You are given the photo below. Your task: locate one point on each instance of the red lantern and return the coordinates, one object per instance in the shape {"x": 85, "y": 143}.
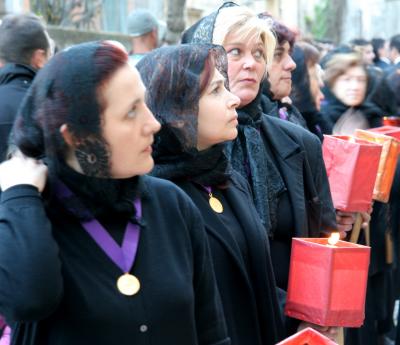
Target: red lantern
{"x": 351, "y": 165}
{"x": 327, "y": 283}
{"x": 387, "y": 162}
{"x": 307, "y": 336}
{"x": 391, "y": 121}
{"x": 391, "y": 131}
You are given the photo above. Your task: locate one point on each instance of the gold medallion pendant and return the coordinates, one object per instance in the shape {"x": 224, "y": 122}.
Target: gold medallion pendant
{"x": 128, "y": 284}
{"x": 215, "y": 204}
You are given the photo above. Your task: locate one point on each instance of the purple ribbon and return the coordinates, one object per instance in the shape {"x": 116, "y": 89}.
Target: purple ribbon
{"x": 283, "y": 113}
{"x": 124, "y": 256}
{"x": 207, "y": 189}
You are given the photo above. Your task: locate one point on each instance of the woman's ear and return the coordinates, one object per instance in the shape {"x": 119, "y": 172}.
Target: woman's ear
{"x": 67, "y": 136}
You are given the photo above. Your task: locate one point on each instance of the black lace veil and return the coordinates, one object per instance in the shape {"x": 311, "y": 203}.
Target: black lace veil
{"x": 173, "y": 78}
{"x": 65, "y": 91}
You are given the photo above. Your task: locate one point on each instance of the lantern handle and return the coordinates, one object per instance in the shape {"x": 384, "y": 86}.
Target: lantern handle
{"x": 355, "y": 233}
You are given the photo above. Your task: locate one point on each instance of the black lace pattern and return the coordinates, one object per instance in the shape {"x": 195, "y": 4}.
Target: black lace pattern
{"x": 172, "y": 76}
{"x": 250, "y": 158}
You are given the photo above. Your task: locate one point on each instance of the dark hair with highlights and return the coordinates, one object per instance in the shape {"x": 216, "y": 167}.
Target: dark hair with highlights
{"x": 66, "y": 91}
{"x": 282, "y": 32}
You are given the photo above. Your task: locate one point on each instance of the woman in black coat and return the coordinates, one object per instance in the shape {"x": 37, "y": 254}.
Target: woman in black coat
{"x": 281, "y": 161}
{"x": 189, "y": 151}
{"x": 103, "y": 255}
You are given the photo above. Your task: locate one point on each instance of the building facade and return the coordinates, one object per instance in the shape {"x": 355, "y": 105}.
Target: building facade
{"x": 361, "y": 18}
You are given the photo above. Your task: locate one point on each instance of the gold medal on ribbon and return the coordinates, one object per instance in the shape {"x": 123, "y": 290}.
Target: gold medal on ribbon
{"x": 128, "y": 284}
{"x": 215, "y": 204}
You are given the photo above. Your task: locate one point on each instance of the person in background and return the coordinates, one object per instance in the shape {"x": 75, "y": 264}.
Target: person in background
{"x": 381, "y": 51}
{"x": 365, "y": 49}
{"x": 278, "y": 84}
{"x": 306, "y": 91}
{"x": 394, "y": 50}
{"x": 92, "y": 251}
{"x": 315, "y": 72}
{"x": 189, "y": 150}
{"x": 144, "y": 29}
{"x": 25, "y": 47}
{"x": 346, "y": 83}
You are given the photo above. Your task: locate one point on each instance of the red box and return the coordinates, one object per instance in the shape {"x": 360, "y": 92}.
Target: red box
{"x": 391, "y": 120}
{"x": 327, "y": 284}
{"x": 391, "y": 131}
{"x": 307, "y": 336}
{"x": 387, "y": 162}
{"x": 352, "y": 166}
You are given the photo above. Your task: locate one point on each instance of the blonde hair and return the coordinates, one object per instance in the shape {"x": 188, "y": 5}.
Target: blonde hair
{"x": 244, "y": 23}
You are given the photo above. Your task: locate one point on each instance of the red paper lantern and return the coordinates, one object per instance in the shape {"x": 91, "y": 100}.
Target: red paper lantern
{"x": 351, "y": 165}
{"x": 307, "y": 336}
{"x": 327, "y": 284}
{"x": 391, "y": 131}
{"x": 391, "y": 120}
{"x": 387, "y": 162}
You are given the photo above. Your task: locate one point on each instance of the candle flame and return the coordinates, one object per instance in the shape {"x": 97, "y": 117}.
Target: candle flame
{"x": 334, "y": 238}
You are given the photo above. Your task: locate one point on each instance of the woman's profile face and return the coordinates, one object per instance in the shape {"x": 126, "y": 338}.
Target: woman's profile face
{"x": 246, "y": 67}
{"x": 350, "y": 87}
{"x": 280, "y": 71}
{"x": 128, "y": 125}
{"x": 217, "y": 118}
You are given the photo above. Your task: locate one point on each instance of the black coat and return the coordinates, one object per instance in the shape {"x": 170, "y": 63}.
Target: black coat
{"x": 299, "y": 156}
{"x": 332, "y": 109}
{"x": 58, "y": 287}
{"x": 246, "y": 282}
{"x": 15, "y": 79}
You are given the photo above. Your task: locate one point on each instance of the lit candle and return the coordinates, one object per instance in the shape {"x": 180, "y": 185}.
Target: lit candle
{"x": 333, "y": 239}
{"x": 307, "y": 336}
{"x": 327, "y": 281}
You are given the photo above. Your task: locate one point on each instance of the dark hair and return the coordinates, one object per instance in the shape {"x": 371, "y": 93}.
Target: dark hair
{"x": 107, "y": 60}
{"x": 395, "y": 42}
{"x": 66, "y": 91}
{"x": 311, "y": 53}
{"x": 377, "y": 43}
{"x": 20, "y": 36}
{"x": 208, "y": 71}
{"x": 175, "y": 78}
{"x": 282, "y": 32}
{"x": 359, "y": 42}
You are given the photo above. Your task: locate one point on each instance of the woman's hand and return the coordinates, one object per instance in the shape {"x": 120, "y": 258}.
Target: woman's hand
{"x": 20, "y": 169}
{"x": 366, "y": 217}
{"x": 329, "y": 332}
{"x": 345, "y": 222}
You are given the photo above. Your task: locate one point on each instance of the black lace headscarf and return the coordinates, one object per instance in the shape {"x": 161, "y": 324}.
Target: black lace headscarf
{"x": 175, "y": 78}
{"x": 68, "y": 91}
{"x": 247, "y": 153}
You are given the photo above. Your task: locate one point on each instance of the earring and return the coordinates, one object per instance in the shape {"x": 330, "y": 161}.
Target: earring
{"x": 93, "y": 158}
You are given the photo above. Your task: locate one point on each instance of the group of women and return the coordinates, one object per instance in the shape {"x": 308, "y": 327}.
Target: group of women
{"x": 94, "y": 250}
